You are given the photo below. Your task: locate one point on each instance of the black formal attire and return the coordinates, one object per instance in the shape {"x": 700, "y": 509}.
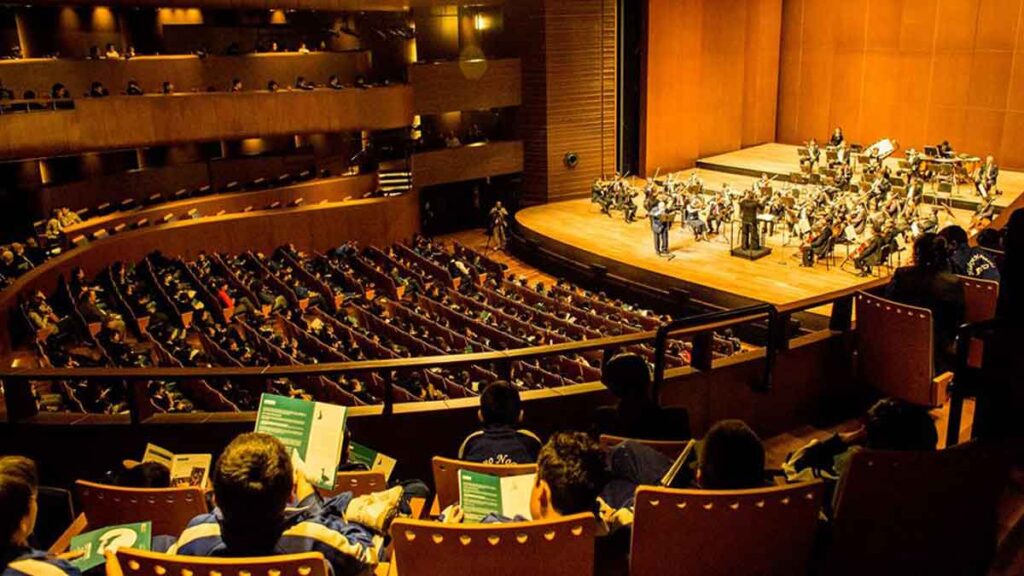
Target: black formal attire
{"x": 749, "y": 208}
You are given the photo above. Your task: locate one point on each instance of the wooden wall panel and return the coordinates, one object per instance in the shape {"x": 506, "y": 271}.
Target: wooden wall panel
{"x": 920, "y": 71}
{"x": 712, "y": 71}
{"x": 187, "y": 73}
{"x": 377, "y": 221}
{"x": 322, "y": 5}
{"x": 477, "y": 85}
{"x": 470, "y": 162}
{"x": 139, "y": 121}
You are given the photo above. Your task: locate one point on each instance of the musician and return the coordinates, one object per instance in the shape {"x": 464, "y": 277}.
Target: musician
{"x": 629, "y": 207}
{"x": 659, "y": 228}
{"x": 944, "y": 149}
{"x": 763, "y": 187}
{"x": 694, "y": 185}
{"x": 874, "y": 163}
{"x": 915, "y": 189}
{"x": 691, "y": 217}
{"x": 749, "y": 208}
{"x": 844, "y": 176}
{"x": 813, "y": 153}
{"x": 870, "y": 253}
{"x": 716, "y": 212}
{"x": 499, "y": 224}
{"x": 821, "y": 240}
{"x": 914, "y": 161}
{"x": 988, "y": 175}
{"x": 837, "y": 138}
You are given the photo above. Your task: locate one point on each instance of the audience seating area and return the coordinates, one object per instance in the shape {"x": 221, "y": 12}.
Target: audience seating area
{"x": 291, "y": 307}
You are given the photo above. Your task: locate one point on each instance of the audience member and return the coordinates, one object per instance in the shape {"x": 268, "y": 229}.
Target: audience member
{"x": 302, "y": 84}
{"x": 19, "y": 488}
{"x": 167, "y": 88}
{"x": 97, "y": 90}
{"x": 236, "y": 85}
{"x": 499, "y": 442}
{"x": 637, "y": 414}
{"x": 59, "y": 92}
{"x": 965, "y": 259}
{"x": 5, "y": 92}
{"x": 111, "y": 51}
{"x": 731, "y": 457}
{"x": 272, "y": 86}
{"x": 254, "y": 483}
{"x": 133, "y": 89}
{"x": 334, "y": 82}
{"x": 928, "y": 283}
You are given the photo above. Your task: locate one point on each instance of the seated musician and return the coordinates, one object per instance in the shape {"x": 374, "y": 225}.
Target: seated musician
{"x": 837, "y": 138}
{"x": 870, "y": 254}
{"x": 844, "y": 175}
{"x": 944, "y": 149}
{"x": 691, "y": 217}
{"x": 821, "y": 241}
{"x": 874, "y": 163}
{"x": 813, "y": 153}
{"x": 928, "y": 283}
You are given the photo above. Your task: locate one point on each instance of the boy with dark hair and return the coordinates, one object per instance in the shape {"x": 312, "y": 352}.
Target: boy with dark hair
{"x": 731, "y": 458}
{"x": 19, "y": 486}
{"x": 254, "y": 484}
{"x": 499, "y": 442}
{"x": 637, "y": 415}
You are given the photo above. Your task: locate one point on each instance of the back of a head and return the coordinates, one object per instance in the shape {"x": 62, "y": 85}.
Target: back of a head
{"x": 18, "y": 482}
{"x": 731, "y": 457}
{"x": 573, "y": 465}
{"x": 930, "y": 252}
{"x": 896, "y": 425}
{"x": 499, "y": 404}
{"x": 252, "y": 483}
{"x": 627, "y": 376}
{"x": 145, "y": 475}
{"x": 1011, "y": 287}
{"x": 954, "y": 235}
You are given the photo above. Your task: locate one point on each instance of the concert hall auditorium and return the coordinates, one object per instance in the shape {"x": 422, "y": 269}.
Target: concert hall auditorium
{"x": 511, "y": 287}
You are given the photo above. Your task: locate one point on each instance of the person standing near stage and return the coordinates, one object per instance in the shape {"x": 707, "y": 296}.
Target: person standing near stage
{"x": 658, "y": 228}
{"x": 749, "y": 206}
{"x": 499, "y": 225}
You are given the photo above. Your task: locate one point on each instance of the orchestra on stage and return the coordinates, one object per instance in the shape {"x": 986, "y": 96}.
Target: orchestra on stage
{"x": 842, "y": 196}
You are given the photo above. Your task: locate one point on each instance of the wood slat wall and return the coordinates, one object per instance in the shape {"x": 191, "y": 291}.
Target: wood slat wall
{"x": 186, "y": 72}
{"x": 139, "y": 121}
{"x": 324, "y": 5}
{"x": 466, "y": 85}
{"x": 466, "y": 163}
{"x": 918, "y": 71}
{"x": 711, "y": 79}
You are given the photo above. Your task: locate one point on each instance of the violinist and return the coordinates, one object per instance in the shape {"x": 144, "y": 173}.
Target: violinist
{"x": 987, "y": 177}
{"x": 870, "y": 253}
{"x": 818, "y": 245}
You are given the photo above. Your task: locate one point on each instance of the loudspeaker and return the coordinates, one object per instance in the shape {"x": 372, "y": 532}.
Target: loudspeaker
{"x": 571, "y": 160}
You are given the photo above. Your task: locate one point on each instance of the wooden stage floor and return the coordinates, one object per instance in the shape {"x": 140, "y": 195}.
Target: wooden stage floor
{"x": 775, "y": 279}
{"x": 782, "y": 160}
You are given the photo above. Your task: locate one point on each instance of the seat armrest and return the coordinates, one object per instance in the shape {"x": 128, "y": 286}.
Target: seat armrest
{"x": 940, "y": 388}
{"x": 77, "y": 527}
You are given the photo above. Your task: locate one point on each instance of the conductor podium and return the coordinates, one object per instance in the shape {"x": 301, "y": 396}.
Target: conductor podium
{"x": 750, "y": 246}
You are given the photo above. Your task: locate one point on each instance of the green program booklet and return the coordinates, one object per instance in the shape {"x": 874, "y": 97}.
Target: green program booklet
{"x": 483, "y": 494}
{"x": 313, "y": 431}
{"x": 98, "y": 542}
{"x": 373, "y": 460}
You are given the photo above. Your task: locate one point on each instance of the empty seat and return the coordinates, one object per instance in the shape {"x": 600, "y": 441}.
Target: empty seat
{"x": 248, "y": 208}
{"x": 221, "y": 212}
{"x": 204, "y": 190}
{"x": 155, "y": 199}
{"x": 100, "y": 234}
{"x": 284, "y": 179}
{"x": 120, "y": 228}
{"x": 274, "y": 205}
{"x": 193, "y": 213}
{"x": 297, "y": 202}
{"x": 128, "y": 204}
{"x": 169, "y": 217}
{"x": 142, "y": 223}
{"x": 131, "y": 562}
{"x": 39, "y": 226}
{"x": 305, "y": 175}
{"x": 84, "y": 213}
{"x": 563, "y": 547}
{"x": 105, "y": 208}
{"x": 767, "y": 531}
{"x": 181, "y": 194}
{"x": 232, "y": 186}
{"x": 79, "y": 240}
{"x": 258, "y": 183}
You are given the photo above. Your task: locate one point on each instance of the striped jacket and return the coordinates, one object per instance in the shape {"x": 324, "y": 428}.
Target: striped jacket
{"x": 28, "y": 562}
{"x": 312, "y": 526}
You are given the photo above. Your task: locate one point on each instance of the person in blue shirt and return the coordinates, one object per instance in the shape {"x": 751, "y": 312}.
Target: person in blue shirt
{"x": 499, "y": 442}
{"x": 265, "y": 508}
{"x": 967, "y": 260}
{"x": 19, "y": 486}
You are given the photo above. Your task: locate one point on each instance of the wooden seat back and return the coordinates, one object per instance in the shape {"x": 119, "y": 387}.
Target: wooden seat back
{"x": 358, "y": 483}
{"x": 764, "y": 531}
{"x": 131, "y": 562}
{"x": 980, "y": 298}
{"x": 562, "y": 547}
{"x": 932, "y": 511}
{"x": 670, "y": 448}
{"x": 446, "y": 475}
{"x": 169, "y": 509}
{"x": 894, "y": 349}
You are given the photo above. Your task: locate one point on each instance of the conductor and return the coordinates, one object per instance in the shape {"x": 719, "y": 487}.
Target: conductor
{"x": 749, "y": 206}
{"x": 659, "y": 228}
